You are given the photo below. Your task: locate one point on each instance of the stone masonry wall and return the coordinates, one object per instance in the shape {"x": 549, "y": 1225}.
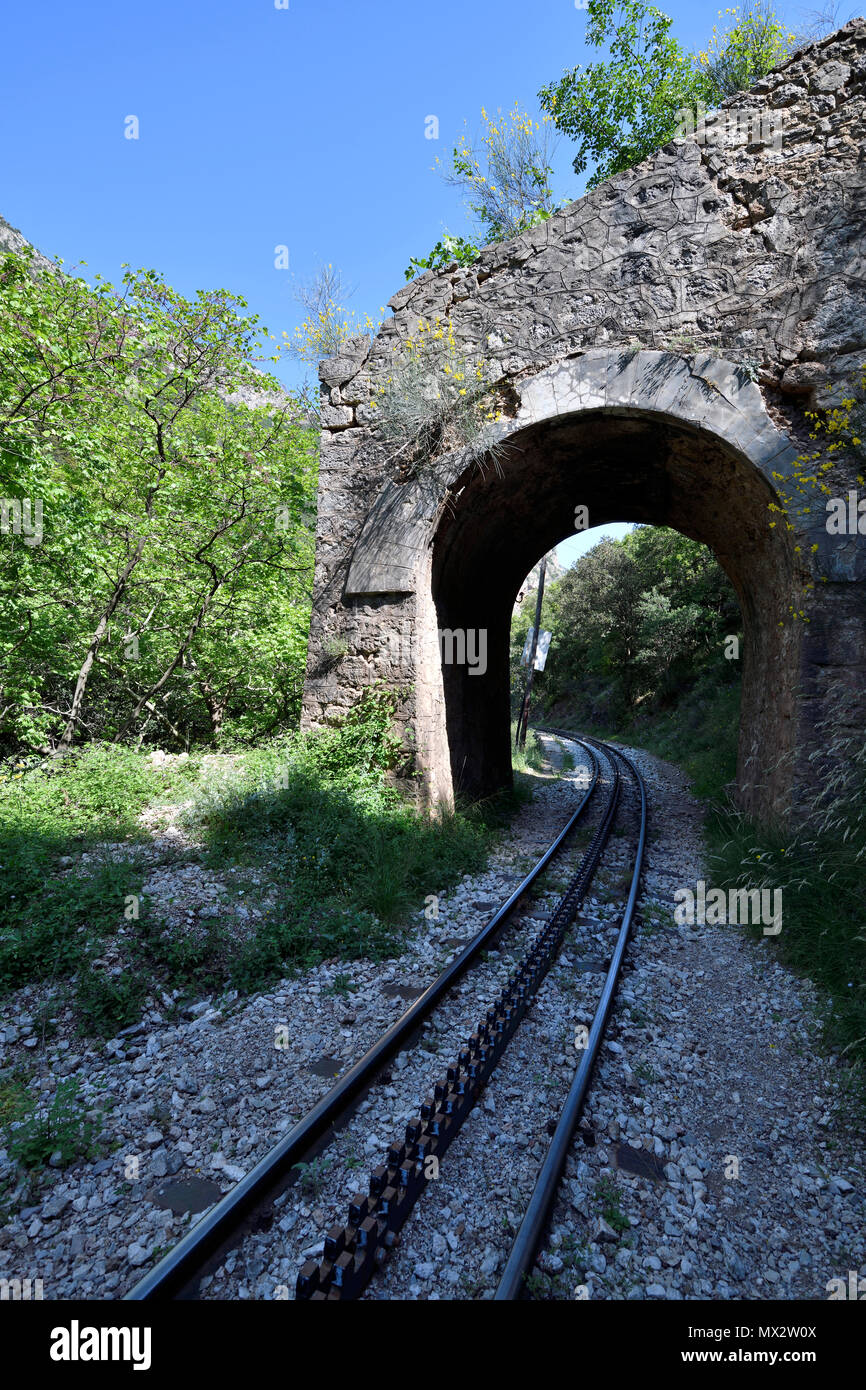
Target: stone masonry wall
{"x": 749, "y": 247}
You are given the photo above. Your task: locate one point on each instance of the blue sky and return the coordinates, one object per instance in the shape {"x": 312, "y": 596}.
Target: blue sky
{"x": 262, "y": 127}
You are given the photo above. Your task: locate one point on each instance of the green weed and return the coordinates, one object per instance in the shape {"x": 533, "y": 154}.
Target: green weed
{"x": 311, "y": 1176}
{"x": 66, "y": 1125}
{"x": 608, "y": 1198}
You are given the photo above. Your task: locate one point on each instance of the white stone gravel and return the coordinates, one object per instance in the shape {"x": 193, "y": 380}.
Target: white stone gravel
{"x": 205, "y": 1098}
{"x": 712, "y": 1065}
{"x": 711, "y": 1055}
{"x": 263, "y": 1267}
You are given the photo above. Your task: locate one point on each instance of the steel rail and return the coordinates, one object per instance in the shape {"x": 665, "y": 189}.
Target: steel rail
{"x": 187, "y": 1260}
{"x": 522, "y": 1254}
{"x": 353, "y": 1252}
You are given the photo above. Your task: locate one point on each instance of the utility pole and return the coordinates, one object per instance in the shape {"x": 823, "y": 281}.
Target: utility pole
{"x": 523, "y": 721}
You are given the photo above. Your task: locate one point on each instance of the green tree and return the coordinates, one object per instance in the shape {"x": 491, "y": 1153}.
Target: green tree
{"x": 633, "y": 621}
{"x": 622, "y": 110}
{"x": 175, "y": 481}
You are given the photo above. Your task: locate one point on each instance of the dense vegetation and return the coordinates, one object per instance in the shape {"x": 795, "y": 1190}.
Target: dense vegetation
{"x": 819, "y": 866}
{"x": 156, "y": 559}
{"x": 640, "y": 629}
{"x": 155, "y": 578}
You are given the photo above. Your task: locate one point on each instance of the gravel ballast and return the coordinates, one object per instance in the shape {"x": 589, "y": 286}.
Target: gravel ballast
{"x": 710, "y": 1085}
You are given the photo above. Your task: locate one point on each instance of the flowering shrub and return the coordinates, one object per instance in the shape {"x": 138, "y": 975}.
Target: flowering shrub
{"x": 505, "y": 174}
{"x": 436, "y": 396}
{"x": 750, "y": 47}
{"x": 512, "y": 191}
{"x": 328, "y": 324}
{"x": 845, "y": 428}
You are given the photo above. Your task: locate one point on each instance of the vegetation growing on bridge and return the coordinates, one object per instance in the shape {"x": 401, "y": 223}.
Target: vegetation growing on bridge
{"x": 505, "y": 173}
{"x": 436, "y": 398}
{"x": 823, "y": 477}
{"x": 619, "y": 111}
{"x": 622, "y": 110}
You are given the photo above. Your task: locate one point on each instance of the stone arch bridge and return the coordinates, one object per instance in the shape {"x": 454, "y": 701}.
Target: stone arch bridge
{"x": 655, "y": 347}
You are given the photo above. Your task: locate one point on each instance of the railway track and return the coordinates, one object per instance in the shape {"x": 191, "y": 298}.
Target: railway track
{"x": 356, "y": 1249}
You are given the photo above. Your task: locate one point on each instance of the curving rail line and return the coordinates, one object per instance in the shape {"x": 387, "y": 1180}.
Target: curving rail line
{"x": 178, "y": 1272}
{"x": 526, "y": 1242}
{"x": 354, "y": 1252}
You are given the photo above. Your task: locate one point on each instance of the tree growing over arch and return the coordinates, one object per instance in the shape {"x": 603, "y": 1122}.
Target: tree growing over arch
{"x": 621, "y": 110}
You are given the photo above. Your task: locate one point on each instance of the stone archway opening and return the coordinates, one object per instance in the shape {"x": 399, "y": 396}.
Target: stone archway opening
{"x": 621, "y": 465}
{"x": 651, "y": 348}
